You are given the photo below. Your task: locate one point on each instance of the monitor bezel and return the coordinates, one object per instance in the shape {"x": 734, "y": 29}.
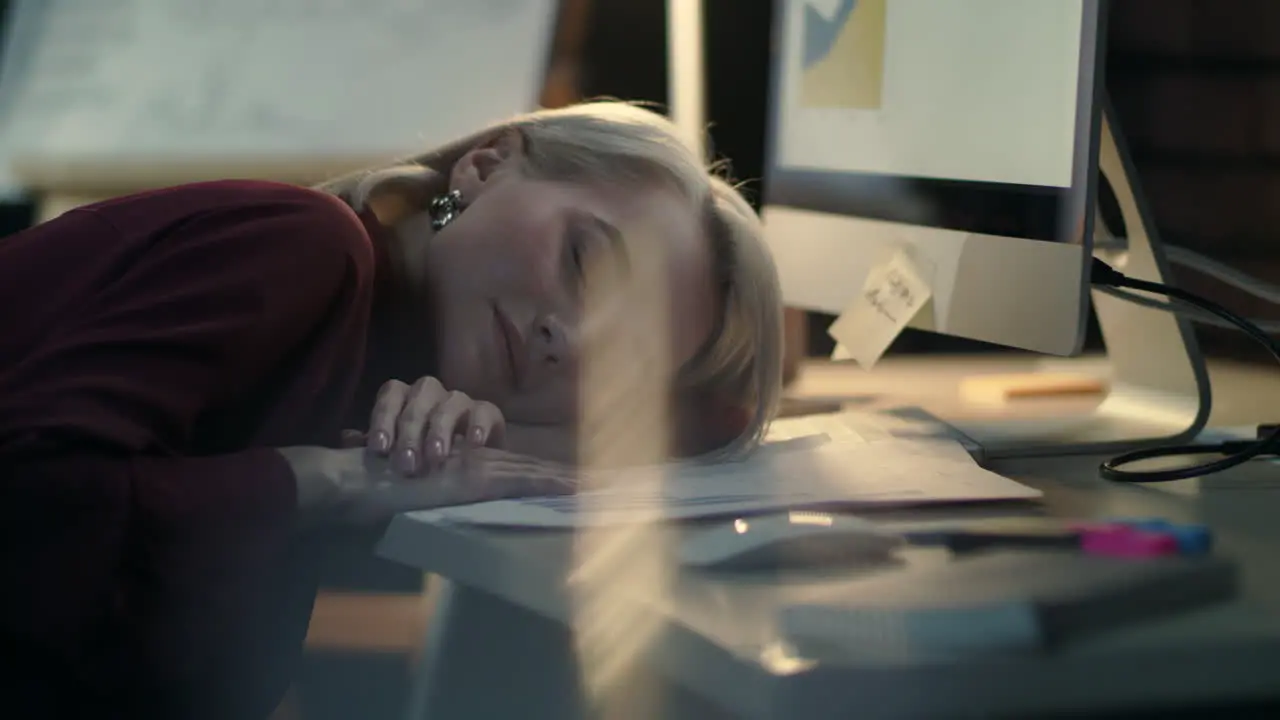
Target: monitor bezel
{"x": 829, "y": 191}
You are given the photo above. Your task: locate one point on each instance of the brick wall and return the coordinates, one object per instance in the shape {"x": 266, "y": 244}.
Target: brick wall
{"x": 1196, "y": 86}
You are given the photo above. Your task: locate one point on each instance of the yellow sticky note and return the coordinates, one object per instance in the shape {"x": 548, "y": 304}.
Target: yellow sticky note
{"x": 893, "y": 295}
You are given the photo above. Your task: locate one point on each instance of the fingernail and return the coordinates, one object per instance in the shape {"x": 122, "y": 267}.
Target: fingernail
{"x": 407, "y": 461}
{"x": 381, "y": 441}
{"x": 477, "y": 436}
{"x": 437, "y": 450}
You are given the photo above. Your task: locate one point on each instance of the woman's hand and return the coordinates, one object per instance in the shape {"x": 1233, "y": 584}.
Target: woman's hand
{"x": 416, "y": 426}
{"x": 353, "y": 487}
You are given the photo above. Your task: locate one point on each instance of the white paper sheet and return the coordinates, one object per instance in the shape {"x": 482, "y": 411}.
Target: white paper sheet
{"x": 806, "y": 471}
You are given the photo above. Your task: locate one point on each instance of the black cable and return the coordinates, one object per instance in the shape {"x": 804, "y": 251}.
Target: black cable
{"x": 1236, "y": 452}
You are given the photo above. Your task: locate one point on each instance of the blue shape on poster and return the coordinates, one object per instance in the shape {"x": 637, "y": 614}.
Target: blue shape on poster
{"x": 820, "y": 33}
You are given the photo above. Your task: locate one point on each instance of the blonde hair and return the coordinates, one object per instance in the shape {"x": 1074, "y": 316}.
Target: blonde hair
{"x": 616, "y": 142}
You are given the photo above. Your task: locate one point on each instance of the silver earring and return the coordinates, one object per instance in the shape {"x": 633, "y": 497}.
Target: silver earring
{"x": 445, "y": 209}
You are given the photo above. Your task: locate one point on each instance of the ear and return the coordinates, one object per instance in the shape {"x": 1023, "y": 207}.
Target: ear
{"x": 400, "y": 192}
{"x": 477, "y": 167}
{"x": 704, "y": 423}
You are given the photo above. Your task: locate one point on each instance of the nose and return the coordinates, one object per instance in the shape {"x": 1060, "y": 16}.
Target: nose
{"x": 555, "y": 343}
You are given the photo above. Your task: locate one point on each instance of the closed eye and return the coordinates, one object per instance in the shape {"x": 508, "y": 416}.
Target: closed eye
{"x": 578, "y": 254}
{"x": 590, "y": 240}
{"x": 576, "y": 258}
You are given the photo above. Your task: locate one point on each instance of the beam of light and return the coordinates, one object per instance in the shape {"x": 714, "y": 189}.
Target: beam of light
{"x": 622, "y": 573}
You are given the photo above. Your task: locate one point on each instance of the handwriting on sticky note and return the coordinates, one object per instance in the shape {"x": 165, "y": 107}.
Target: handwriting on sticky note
{"x": 893, "y": 295}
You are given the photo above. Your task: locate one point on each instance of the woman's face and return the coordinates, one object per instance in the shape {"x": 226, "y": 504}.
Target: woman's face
{"x": 508, "y": 281}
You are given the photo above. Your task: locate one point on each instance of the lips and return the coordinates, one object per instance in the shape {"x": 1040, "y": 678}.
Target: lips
{"x": 511, "y": 344}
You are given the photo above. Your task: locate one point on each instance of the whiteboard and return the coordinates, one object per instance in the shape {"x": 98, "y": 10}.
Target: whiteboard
{"x": 195, "y": 80}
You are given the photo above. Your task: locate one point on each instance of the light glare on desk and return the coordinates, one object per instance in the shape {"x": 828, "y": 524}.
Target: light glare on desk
{"x": 780, "y": 658}
{"x": 811, "y": 518}
{"x": 741, "y": 526}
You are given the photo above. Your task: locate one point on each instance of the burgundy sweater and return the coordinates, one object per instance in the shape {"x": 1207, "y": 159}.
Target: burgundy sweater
{"x": 152, "y": 350}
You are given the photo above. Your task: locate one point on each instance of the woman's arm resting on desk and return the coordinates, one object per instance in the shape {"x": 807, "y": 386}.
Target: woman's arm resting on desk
{"x": 118, "y": 544}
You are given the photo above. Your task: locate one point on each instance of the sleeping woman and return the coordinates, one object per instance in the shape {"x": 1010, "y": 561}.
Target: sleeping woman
{"x": 198, "y": 382}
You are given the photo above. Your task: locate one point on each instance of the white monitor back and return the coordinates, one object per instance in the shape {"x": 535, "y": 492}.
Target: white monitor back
{"x": 170, "y": 86}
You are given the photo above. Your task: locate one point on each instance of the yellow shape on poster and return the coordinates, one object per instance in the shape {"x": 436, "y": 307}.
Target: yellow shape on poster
{"x": 851, "y": 76}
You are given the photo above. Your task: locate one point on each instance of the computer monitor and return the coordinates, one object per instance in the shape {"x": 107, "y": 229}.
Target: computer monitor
{"x": 967, "y": 130}
{"x": 972, "y": 135}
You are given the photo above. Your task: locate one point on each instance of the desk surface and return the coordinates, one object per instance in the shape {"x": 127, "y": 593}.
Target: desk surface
{"x": 717, "y": 634}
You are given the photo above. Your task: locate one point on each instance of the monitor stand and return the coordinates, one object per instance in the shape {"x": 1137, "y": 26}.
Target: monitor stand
{"x": 1159, "y": 386}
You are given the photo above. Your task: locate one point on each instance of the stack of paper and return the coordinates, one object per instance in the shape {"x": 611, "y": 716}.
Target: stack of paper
{"x": 837, "y": 468}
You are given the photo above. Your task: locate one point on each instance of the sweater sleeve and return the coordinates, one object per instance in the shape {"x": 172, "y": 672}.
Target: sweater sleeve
{"x": 193, "y": 320}
{"x": 94, "y": 417}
